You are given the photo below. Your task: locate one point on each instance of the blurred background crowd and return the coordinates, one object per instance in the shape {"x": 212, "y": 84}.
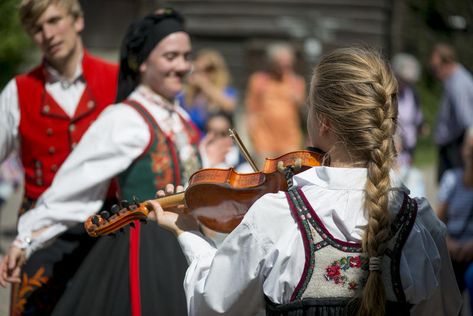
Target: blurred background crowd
{"x": 252, "y": 60}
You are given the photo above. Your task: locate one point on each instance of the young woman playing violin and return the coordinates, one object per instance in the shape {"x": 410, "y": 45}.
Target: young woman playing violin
{"x": 346, "y": 238}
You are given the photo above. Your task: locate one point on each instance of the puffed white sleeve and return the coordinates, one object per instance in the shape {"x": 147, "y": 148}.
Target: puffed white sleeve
{"x": 227, "y": 280}
{"x": 110, "y": 145}
{"x": 426, "y": 270}
{"x": 9, "y": 119}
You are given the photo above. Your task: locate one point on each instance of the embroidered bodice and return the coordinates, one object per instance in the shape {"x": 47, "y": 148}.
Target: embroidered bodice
{"x": 335, "y": 271}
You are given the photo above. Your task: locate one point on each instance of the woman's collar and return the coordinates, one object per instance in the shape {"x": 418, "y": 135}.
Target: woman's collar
{"x": 341, "y": 178}
{"x": 151, "y": 96}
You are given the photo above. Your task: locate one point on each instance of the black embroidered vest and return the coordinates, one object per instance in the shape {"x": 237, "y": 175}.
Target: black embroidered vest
{"x": 335, "y": 271}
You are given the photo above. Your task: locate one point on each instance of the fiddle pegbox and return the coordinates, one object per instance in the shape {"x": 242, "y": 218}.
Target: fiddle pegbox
{"x": 282, "y": 167}
{"x": 109, "y": 222}
{"x": 289, "y": 168}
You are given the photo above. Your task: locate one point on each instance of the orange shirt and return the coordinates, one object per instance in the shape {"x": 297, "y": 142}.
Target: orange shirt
{"x": 273, "y": 113}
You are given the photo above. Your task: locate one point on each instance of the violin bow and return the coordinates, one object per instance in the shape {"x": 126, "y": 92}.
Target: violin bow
{"x": 236, "y": 138}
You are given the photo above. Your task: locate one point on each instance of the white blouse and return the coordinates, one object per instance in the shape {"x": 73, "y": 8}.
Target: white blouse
{"x": 117, "y": 137}
{"x": 264, "y": 255}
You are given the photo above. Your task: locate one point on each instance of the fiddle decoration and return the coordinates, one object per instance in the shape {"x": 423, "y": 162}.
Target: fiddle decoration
{"x": 217, "y": 198}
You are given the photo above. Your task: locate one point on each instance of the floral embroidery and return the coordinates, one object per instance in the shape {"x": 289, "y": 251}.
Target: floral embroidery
{"x": 334, "y": 272}
{"x": 355, "y": 262}
{"x": 162, "y": 164}
{"x": 28, "y": 286}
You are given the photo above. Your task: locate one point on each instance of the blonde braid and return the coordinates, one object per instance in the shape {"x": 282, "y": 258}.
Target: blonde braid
{"x": 376, "y": 197}
{"x": 356, "y": 91}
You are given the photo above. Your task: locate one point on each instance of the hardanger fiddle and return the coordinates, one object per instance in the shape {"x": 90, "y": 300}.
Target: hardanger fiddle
{"x": 217, "y": 198}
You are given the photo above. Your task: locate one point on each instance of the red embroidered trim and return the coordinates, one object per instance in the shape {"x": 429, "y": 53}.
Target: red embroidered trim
{"x": 322, "y": 226}
{"x": 306, "y": 247}
{"x": 134, "y": 273}
{"x": 177, "y": 172}
{"x": 138, "y": 106}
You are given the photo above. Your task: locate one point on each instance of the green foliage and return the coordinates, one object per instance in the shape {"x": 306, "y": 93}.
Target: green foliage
{"x": 14, "y": 44}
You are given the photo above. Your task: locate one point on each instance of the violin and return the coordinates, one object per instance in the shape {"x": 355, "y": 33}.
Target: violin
{"x": 217, "y": 198}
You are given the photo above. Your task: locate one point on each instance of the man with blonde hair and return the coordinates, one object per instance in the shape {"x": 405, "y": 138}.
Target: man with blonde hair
{"x": 45, "y": 112}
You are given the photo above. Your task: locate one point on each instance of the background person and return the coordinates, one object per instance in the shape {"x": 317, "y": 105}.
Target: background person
{"x": 411, "y": 119}
{"x": 456, "y": 211}
{"x": 273, "y": 100}
{"x": 208, "y": 89}
{"x": 455, "y": 113}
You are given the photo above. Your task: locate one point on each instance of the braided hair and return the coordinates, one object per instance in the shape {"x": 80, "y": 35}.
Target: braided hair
{"x": 355, "y": 90}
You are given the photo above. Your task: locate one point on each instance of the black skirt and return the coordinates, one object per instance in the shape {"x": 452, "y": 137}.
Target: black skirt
{"x": 48, "y": 271}
{"x": 329, "y": 307}
{"x": 102, "y": 284}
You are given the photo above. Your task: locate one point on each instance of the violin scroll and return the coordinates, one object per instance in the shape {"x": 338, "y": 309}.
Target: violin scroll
{"x": 125, "y": 213}
{"x": 105, "y": 223}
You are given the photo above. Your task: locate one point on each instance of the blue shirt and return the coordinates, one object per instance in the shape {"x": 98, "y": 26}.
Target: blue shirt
{"x": 459, "y": 200}
{"x": 199, "y": 111}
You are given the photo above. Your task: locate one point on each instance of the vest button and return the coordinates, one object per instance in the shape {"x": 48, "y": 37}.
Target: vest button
{"x": 46, "y": 108}
{"x": 37, "y": 164}
{"x": 54, "y": 168}
{"x": 52, "y": 150}
{"x": 72, "y": 128}
{"x": 38, "y": 172}
{"x": 49, "y": 131}
{"x": 90, "y": 104}
{"x": 39, "y": 182}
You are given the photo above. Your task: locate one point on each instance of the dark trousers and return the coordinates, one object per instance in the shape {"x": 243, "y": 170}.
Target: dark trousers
{"x": 450, "y": 156}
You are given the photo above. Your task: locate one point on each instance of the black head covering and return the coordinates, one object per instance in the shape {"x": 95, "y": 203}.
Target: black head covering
{"x": 140, "y": 39}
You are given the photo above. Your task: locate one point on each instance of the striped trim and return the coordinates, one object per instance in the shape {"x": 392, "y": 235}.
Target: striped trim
{"x": 134, "y": 269}
{"x": 299, "y": 288}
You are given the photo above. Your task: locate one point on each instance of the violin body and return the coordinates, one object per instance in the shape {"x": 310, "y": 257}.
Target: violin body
{"x": 217, "y": 198}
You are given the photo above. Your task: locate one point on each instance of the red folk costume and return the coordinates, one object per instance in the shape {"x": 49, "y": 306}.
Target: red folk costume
{"x": 47, "y": 136}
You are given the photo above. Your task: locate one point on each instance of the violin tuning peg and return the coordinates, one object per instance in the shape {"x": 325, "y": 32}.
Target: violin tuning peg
{"x": 298, "y": 164}
{"x": 96, "y": 220}
{"x": 135, "y": 199}
{"x": 132, "y": 207}
{"x": 114, "y": 209}
{"x": 124, "y": 204}
{"x": 105, "y": 215}
{"x": 281, "y": 166}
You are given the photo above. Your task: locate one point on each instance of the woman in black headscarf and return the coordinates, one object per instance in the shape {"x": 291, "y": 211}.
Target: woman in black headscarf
{"x": 145, "y": 141}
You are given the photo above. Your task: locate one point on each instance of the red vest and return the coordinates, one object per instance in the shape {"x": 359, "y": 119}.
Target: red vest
{"x": 47, "y": 133}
